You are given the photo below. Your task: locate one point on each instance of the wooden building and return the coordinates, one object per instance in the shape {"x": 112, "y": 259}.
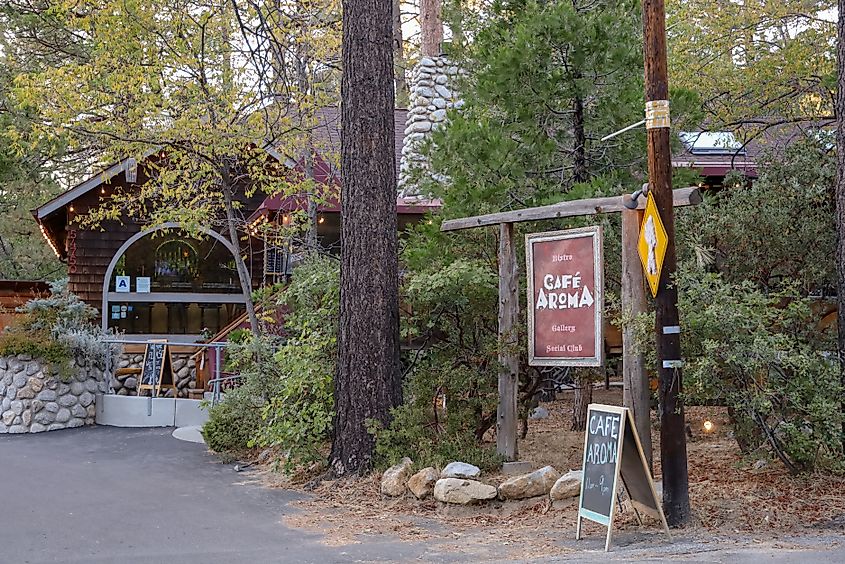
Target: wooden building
{"x": 15, "y": 293}
{"x": 161, "y": 283}
{"x": 146, "y": 281}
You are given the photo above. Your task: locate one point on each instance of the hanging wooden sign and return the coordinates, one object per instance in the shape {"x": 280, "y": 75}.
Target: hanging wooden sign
{"x": 156, "y": 368}
{"x": 565, "y": 298}
{"x": 612, "y": 450}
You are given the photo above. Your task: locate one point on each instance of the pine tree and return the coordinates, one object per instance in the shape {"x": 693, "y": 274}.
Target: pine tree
{"x": 368, "y": 383}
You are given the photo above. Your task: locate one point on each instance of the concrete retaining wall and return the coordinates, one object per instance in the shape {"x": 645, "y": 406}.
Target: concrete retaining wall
{"x": 134, "y": 411}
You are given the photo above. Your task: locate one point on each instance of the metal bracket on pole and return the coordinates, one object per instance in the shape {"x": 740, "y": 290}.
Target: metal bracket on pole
{"x": 631, "y": 203}
{"x": 623, "y": 130}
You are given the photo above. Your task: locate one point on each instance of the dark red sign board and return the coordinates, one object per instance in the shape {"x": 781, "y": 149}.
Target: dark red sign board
{"x": 565, "y": 298}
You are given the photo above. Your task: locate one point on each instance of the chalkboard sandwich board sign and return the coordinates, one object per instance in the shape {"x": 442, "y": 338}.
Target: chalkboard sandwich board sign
{"x": 157, "y": 368}
{"x": 613, "y": 456}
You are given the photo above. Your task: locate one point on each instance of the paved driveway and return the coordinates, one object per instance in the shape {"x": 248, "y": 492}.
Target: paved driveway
{"x": 103, "y": 494}
{"x": 108, "y": 495}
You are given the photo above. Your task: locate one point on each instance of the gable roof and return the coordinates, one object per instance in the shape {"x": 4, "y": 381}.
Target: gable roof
{"x": 326, "y": 139}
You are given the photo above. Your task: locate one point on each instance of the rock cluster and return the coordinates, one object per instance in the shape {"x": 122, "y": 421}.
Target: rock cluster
{"x": 460, "y": 470}
{"x": 568, "y": 485}
{"x": 462, "y": 492}
{"x": 395, "y": 478}
{"x": 422, "y": 483}
{"x": 184, "y": 372}
{"x": 432, "y": 94}
{"x": 458, "y": 484}
{"x": 34, "y": 397}
{"x": 536, "y": 483}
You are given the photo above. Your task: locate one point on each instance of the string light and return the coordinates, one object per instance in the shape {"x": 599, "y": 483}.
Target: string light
{"x": 321, "y": 220}
{"x": 709, "y": 426}
{"x": 49, "y": 240}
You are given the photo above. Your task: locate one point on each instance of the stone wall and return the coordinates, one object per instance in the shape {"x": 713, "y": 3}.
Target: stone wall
{"x": 34, "y": 397}
{"x": 184, "y": 372}
{"x": 432, "y": 83}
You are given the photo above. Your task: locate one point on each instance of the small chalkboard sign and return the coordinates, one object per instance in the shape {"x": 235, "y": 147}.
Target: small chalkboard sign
{"x": 157, "y": 368}
{"x": 612, "y": 450}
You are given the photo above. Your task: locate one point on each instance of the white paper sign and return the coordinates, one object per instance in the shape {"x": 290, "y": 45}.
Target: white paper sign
{"x": 122, "y": 284}
{"x": 142, "y": 284}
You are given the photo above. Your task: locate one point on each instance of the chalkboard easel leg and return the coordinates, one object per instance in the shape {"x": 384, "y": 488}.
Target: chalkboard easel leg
{"x": 636, "y": 513}
{"x": 609, "y": 536}
{"x": 578, "y": 529}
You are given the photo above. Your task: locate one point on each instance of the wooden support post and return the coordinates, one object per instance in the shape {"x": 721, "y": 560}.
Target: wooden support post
{"x": 635, "y": 388}
{"x": 508, "y": 348}
{"x": 673, "y": 441}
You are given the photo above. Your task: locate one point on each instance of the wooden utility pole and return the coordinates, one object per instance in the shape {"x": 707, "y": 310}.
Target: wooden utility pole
{"x": 673, "y": 445}
{"x": 636, "y": 394}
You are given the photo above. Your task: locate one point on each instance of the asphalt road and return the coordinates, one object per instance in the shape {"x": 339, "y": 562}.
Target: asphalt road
{"x": 109, "y": 495}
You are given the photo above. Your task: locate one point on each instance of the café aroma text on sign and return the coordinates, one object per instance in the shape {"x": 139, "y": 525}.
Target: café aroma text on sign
{"x": 565, "y": 298}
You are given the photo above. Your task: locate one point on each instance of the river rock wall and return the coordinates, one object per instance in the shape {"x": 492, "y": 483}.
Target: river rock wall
{"x": 36, "y": 397}
{"x": 184, "y": 375}
{"x": 432, "y": 94}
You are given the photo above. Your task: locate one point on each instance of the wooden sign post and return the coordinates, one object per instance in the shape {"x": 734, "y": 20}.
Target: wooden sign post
{"x": 506, "y": 421}
{"x": 156, "y": 369}
{"x": 612, "y": 450}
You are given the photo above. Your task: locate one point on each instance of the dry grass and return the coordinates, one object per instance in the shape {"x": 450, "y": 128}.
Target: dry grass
{"x": 727, "y": 494}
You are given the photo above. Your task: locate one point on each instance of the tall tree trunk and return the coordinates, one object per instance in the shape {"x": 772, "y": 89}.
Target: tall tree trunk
{"x": 243, "y": 274}
{"x": 403, "y": 93}
{"x": 583, "y": 398}
{"x": 368, "y": 382}
{"x": 840, "y": 198}
{"x": 431, "y": 27}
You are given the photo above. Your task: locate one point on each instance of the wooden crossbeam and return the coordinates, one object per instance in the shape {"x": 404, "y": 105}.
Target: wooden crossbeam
{"x": 611, "y": 204}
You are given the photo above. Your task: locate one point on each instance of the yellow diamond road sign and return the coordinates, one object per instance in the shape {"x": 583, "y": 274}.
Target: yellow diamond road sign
{"x": 652, "y": 244}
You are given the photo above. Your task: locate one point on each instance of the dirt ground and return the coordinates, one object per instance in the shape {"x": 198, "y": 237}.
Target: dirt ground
{"x": 734, "y": 499}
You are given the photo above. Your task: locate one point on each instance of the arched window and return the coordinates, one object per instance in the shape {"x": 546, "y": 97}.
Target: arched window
{"x": 162, "y": 282}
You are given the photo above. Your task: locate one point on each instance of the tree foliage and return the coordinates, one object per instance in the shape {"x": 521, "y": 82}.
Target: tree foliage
{"x": 548, "y": 80}
{"x": 194, "y": 89}
{"x": 777, "y": 230}
{"x": 756, "y": 63}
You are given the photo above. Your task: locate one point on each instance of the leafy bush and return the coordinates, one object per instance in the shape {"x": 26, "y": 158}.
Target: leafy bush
{"x": 298, "y": 415}
{"x": 450, "y": 385}
{"x": 58, "y": 329}
{"x": 760, "y": 356}
{"x": 232, "y": 423}
{"x": 286, "y": 400}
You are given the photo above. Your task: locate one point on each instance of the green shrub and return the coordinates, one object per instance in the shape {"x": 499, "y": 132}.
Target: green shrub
{"x": 286, "y": 400}
{"x": 232, "y": 423}
{"x": 453, "y": 318}
{"x": 58, "y": 329}
{"x": 298, "y": 415}
{"x": 760, "y": 356}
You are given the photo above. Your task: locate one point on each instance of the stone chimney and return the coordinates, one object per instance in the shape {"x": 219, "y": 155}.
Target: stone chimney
{"x": 432, "y": 93}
